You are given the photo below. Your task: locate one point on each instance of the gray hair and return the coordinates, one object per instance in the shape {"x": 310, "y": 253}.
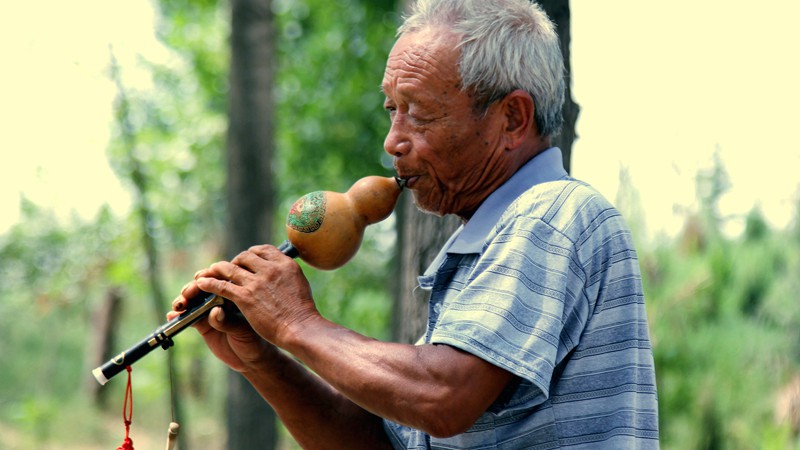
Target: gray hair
{"x": 505, "y": 45}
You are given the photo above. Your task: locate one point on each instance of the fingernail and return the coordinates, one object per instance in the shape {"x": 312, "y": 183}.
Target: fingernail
{"x": 197, "y": 274}
{"x": 220, "y": 314}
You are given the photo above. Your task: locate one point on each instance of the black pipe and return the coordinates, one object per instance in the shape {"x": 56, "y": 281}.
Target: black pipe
{"x": 162, "y": 336}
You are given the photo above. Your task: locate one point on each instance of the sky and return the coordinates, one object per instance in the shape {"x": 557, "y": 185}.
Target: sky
{"x": 663, "y": 86}
{"x": 56, "y": 101}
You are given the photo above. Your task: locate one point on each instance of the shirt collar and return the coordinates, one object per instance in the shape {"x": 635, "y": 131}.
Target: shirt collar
{"x": 546, "y": 166}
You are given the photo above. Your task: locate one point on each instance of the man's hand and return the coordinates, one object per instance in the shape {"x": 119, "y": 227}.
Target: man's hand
{"x": 268, "y": 287}
{"x": 268, "y": 292}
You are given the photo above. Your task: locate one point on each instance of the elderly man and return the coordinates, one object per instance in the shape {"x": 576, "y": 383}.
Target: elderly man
{"x": 537, "y": 334}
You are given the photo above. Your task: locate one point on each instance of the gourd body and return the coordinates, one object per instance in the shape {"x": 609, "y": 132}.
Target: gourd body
{"x": 327, "y": 227}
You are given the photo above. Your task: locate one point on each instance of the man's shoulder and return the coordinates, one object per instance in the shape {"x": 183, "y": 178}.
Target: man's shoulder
{"x": 560, "y": 203}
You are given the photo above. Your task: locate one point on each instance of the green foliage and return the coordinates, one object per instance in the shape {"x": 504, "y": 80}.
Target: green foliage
{"x": 178, "y": 127}
{"x": 329, "y": 133}
{"x": 711, "y": 185}
{"x": 724, "y": 313}
{"x": 331, "y": 122}
{"x": 724, "y": 340}
{"x": 725, "y": 324}
{"x": 172, "y": 139}
{"x": 49, "y": 275}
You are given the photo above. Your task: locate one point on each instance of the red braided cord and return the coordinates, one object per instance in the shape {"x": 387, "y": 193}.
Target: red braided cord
{"x": 127, "y": 414}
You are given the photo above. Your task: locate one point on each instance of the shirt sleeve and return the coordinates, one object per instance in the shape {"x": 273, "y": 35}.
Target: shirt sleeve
{"x": 518, "y": 305}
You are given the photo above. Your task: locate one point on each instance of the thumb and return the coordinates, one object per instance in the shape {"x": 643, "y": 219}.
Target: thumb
{"x": 218, "y": 318}
{"x": 247, "y": 346}
{"x": 229, "y": 320}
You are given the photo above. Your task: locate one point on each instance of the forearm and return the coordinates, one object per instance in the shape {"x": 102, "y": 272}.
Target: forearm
{"x": 436, "y": 389}
{"x": 315, "y": 414}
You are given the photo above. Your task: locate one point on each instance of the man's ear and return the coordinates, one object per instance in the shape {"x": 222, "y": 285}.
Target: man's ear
{"x": 518, "y": 108}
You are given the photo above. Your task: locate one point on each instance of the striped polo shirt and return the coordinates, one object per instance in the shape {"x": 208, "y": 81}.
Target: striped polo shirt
{"x": 543, "y": 281}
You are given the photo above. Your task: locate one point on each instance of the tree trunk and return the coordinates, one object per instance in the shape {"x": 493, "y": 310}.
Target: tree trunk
{"x": 250, "y": 191}
{"x": 420, "y": 236}
{"x": 559, "y": 13}
{"x": 144, "y": 212}
{"x": 102, "y": 344}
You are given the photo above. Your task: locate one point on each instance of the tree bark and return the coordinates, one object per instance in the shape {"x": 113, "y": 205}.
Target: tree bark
{"x": 420, "y": 236}
{"x": 250, "y": 191}
{"x": 559, "y": 13}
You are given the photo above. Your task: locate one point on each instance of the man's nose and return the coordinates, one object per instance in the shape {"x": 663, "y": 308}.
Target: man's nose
{"x": 397, "y": 142}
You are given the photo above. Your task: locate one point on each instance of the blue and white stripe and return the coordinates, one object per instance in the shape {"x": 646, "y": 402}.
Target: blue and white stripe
{"x": 544, "y": 282}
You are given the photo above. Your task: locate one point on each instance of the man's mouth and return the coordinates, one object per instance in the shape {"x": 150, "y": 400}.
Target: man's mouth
{"x": 407, "y": 181}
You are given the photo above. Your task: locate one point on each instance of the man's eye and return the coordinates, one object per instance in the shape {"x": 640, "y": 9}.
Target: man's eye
{"x": 419, "y": 115}
{"x": 420, "y": 119}
{"x": 391, "y": 109}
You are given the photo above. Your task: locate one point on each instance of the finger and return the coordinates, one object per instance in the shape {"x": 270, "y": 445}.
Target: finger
{"x": 189, "y": 289}
{"x": 220, "y": 269}
{"x": 267, "y": 252}
{"x": 229, "y": 321}
{"x": 225, "y": 270}
{"x": 179, "y": 304}
{"x": 189, "y": 292}
{"x": 252, "y": 260}
{"x": 219, "y": 287}
{"x": 216, "y": 318}
{"x": 262, "y": 261}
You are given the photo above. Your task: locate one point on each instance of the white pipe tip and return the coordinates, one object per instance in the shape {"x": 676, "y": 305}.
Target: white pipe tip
{"x": 98, "y": 375}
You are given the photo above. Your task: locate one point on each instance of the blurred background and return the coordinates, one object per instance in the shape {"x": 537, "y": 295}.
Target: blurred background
{"x": 116, "y": 150}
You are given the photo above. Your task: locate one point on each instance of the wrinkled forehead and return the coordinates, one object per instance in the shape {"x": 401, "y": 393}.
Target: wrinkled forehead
{"x": 424, "y": 56}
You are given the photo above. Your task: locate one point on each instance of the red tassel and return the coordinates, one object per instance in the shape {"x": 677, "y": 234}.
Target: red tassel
{"x": 127, "y": 414}
{"x": 126, "y": 445}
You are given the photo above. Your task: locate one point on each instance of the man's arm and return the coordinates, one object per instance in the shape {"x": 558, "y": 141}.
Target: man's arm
{"x": 313, "y": 412}
{"x": 434, "y": 388}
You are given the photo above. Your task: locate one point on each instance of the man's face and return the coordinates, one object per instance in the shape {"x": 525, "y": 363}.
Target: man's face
{"x": 451, "y": 156}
